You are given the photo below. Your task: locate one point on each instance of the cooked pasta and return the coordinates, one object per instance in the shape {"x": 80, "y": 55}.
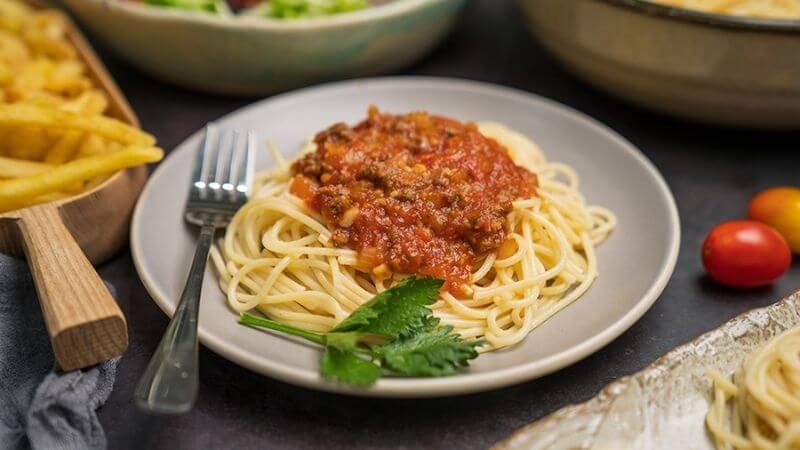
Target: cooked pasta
{"x": 759, "y": 409}
{"x": 279, "y": 256}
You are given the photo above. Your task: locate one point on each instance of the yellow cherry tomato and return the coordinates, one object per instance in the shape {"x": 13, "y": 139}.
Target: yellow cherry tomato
{"x": 780, "y": 209}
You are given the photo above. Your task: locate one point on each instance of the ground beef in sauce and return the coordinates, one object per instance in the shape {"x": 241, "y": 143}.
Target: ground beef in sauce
{"x": 413, "y": 193}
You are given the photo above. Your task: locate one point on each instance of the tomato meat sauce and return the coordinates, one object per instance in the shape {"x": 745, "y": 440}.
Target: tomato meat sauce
{"x": 412, "y": 193}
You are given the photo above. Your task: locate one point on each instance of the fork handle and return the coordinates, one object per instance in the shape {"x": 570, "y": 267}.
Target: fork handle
{"x": 169, "y": 384}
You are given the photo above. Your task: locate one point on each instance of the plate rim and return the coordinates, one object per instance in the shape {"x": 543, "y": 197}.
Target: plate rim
{"x": 444, "y": 386}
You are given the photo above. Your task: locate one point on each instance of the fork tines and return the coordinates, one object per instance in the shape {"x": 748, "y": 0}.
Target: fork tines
{"x": 223, "y": 169}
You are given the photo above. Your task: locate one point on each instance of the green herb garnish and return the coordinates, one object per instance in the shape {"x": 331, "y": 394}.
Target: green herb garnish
{"x": 394, "y": 333}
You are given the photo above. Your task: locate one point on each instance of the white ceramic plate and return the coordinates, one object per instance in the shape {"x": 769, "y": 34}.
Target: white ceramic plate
{"x": 635, "y": 261}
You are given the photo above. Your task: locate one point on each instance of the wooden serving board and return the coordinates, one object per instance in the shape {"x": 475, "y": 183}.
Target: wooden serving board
{"x": 62, "y": 239}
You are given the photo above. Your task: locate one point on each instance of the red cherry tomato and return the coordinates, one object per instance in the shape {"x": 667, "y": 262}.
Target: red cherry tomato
{"x": 745, "y": 253}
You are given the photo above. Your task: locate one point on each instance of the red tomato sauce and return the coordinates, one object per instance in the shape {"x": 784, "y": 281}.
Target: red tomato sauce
{"x": 413, "y": 193}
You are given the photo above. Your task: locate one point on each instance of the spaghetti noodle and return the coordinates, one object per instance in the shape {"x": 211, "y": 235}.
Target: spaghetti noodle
{"x": 760, "y": 408}
{"x": 278, "y": 255}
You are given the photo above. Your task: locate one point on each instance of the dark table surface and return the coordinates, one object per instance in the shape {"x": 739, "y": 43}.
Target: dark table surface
{"x": 712, "y": 173}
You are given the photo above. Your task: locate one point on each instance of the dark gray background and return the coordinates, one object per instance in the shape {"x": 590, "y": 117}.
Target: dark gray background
{"x": 712, "y": 172}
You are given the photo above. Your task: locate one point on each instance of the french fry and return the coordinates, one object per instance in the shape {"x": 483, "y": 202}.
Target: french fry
{"x": 114, "y": 146}
{"x": 44, "y": 33}
{"x": 94, "y": 182}
{"x": 13, "y": 50}
{"x": 6, "y": 74}
{"x": 21, "y": 192}
{"x": 29, "y": 143}
{"x": 91, "y": 145}
{"x": 30, "y": 79}
{"x": 42, "y": 99}
{"x": 67, "y": 77}
{"x": 63, "y": 151}
{"x": 51, "y": 197}
{"x": 3, "y": 133}
{"x": 13, "y": 14}
{"x": 91, "y": 102}
{"x": 74, "y": 188}
{"x": 55, "y": 141}
{"x": 104, "y": 126}
{"x": 17, "y": 168}
{"x": 64, "y": 148}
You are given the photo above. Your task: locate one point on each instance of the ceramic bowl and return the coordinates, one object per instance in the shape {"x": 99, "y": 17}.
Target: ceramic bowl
{"x": 256, "y": 55}
{"x": 728, "y": 70}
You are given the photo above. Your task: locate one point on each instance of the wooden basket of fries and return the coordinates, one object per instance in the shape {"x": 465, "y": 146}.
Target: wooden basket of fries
{"x": 71, "y": 156}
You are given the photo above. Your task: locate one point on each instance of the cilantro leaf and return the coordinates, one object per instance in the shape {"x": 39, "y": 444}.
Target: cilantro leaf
{"x": 396, "y": 329}
{"x": 350, "y": 340}
{"x": 400, "y": 311}
{"x": 262, "y": 322}
{"x": 435, "y": 352}
{"x": 355, "y": 340}
{"x": 348, "y": 368}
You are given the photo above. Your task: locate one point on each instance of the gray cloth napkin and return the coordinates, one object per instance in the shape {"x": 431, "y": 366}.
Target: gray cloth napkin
{"x": 42, "y": 407}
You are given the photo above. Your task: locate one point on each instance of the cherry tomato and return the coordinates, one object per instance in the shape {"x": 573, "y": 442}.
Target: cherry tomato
{"x": 745, "y": 253}
{"x": 780, "y": 209}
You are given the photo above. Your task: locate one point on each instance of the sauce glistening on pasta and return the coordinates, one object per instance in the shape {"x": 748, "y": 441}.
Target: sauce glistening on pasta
{"x": 413, "y": 193}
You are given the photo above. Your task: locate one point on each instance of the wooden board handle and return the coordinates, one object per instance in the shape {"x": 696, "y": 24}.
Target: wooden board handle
{"x": 85, "y": 324}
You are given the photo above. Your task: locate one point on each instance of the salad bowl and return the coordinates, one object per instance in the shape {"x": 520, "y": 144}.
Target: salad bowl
{"x": 249, "y": 54}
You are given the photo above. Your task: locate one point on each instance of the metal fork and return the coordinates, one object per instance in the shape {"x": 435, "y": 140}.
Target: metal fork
{"x": 221, "y": 181}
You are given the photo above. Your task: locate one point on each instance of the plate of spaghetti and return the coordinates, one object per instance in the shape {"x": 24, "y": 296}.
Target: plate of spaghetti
{"x": 526, "y": 232}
